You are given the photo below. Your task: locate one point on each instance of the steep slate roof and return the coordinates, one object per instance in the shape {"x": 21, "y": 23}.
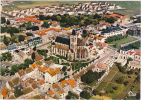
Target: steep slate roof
{"x": 112, "y": 30}
{"x": 62, "y": 40}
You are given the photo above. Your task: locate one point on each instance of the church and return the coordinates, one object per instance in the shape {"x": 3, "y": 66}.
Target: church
{"x": 72, "y": 48}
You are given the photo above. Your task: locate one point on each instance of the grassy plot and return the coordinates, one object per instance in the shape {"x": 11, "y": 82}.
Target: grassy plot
{"x": 123, "y": 41}
{"x": 101, "y": 85}
{"x": 109, "y": 76}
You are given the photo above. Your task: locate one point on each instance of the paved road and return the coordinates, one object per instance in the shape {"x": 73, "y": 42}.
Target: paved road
{"x": 43, "y": 45}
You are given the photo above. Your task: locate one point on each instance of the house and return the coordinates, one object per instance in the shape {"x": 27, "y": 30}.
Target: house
{"x": 61, "y": 94}
{"x": 65, "y": 85}
{"x": 112, "y": 32}
{"x": 3, "y": 49}
{"x": 133, "y": 65}
{"x": 3, "y": 94}
{"x": 137, "y": 56}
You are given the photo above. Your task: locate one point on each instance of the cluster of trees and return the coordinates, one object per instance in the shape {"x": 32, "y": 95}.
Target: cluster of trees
{"x": 111, "y": 20}
{"x": 45, "y": 24}
{"x": 29, "y": 34}
{"x": 6, "y": 56}
{"x": 67, "y": 20}
{"x": 16, "y": 68}
{"x": 43, "y": 52}
{"x": 91, "y": 76}
{"x": 133, "y": 32}
{"x": 3, "y": 20}
{"x": 64, "y": 68}
{"x": 115, "y": 38}
{"x": 33, "y": 28}
{"x": 10, "y": 30}
{"x": 13, "y": 39}
{"x": 77, "y": 66}
{"x": 135, "y": 45}
{"x": 123, "y": 68}
{"x": 120, "y": 80}
{"x": 4, "y": 71}
{"x": 85, "y": 94}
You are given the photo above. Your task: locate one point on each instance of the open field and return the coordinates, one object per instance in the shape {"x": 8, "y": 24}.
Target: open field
{"x": 32, "y": 4}
{"x": 133, "y": 5}
{"x": 126, "y": 12}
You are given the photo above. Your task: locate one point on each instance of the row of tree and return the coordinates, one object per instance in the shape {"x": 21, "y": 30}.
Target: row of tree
{"x": 16, "y": 68}
{"x": 135, "y": 45}
{"x": 116, "y": 38}
{"x": 9, "y": 30}
{"x": 81, "y": 20}
{"x": 13, "y": 39}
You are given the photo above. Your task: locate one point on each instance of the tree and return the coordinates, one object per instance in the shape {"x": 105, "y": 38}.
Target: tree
{"x": 65, "y": 73}
{"x": 68, "y": 97}
{"x": 11, "y": 32}
{"x": 29, "y": 24}
{"x": 2, "y": 72}
{"x": 126, "y": 83}
{"x": 14, "y": 30}
{"x": 28, "y": 62}
{"x": 64, "y": 68}
{"x": 3, "y": 20}
{"x": 111, "y": 20}
{"x": 45, "y": 24}
{"x": 33, "y": 56}
{"x": 21, "y": 38}
{"x": 96, "y": 92}
{"x": 21, "y": 66}
{"x": 85, "y": 94}
{"x": 29, "y": 34}
{"x": 14, "y": 69}
{"x": 34, "y": 48}
{"x": 120, "y": 80}
{"x": 115, "y": 87}
{"x": 8, "y": 22}
{"x": 5, "y": 40}
{"x": 3, "y": 29}
{"x": 6, "y": 56}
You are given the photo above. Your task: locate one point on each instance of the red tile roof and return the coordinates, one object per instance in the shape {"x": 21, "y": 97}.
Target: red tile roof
{"x": 4, "y": 91}
{"x": 138, "y": 53}
{"x": 41, "y": 82}
{"x": 38, "y": 57}
{"x": 50, "y": 92}
{"x": 130, "y": 52}
{"x": 72, "y": 83}
{"x": 104, "y": 44}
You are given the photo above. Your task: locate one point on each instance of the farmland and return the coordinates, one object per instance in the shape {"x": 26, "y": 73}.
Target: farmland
{"x": 110, "y": 81}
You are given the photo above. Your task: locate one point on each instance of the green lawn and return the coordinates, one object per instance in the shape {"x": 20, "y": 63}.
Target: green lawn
{"x": 101, "y": 85}
{"x": 109, "y": 87}
{"x": 109, "y": 76}
{"x": 123, "y": 41}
